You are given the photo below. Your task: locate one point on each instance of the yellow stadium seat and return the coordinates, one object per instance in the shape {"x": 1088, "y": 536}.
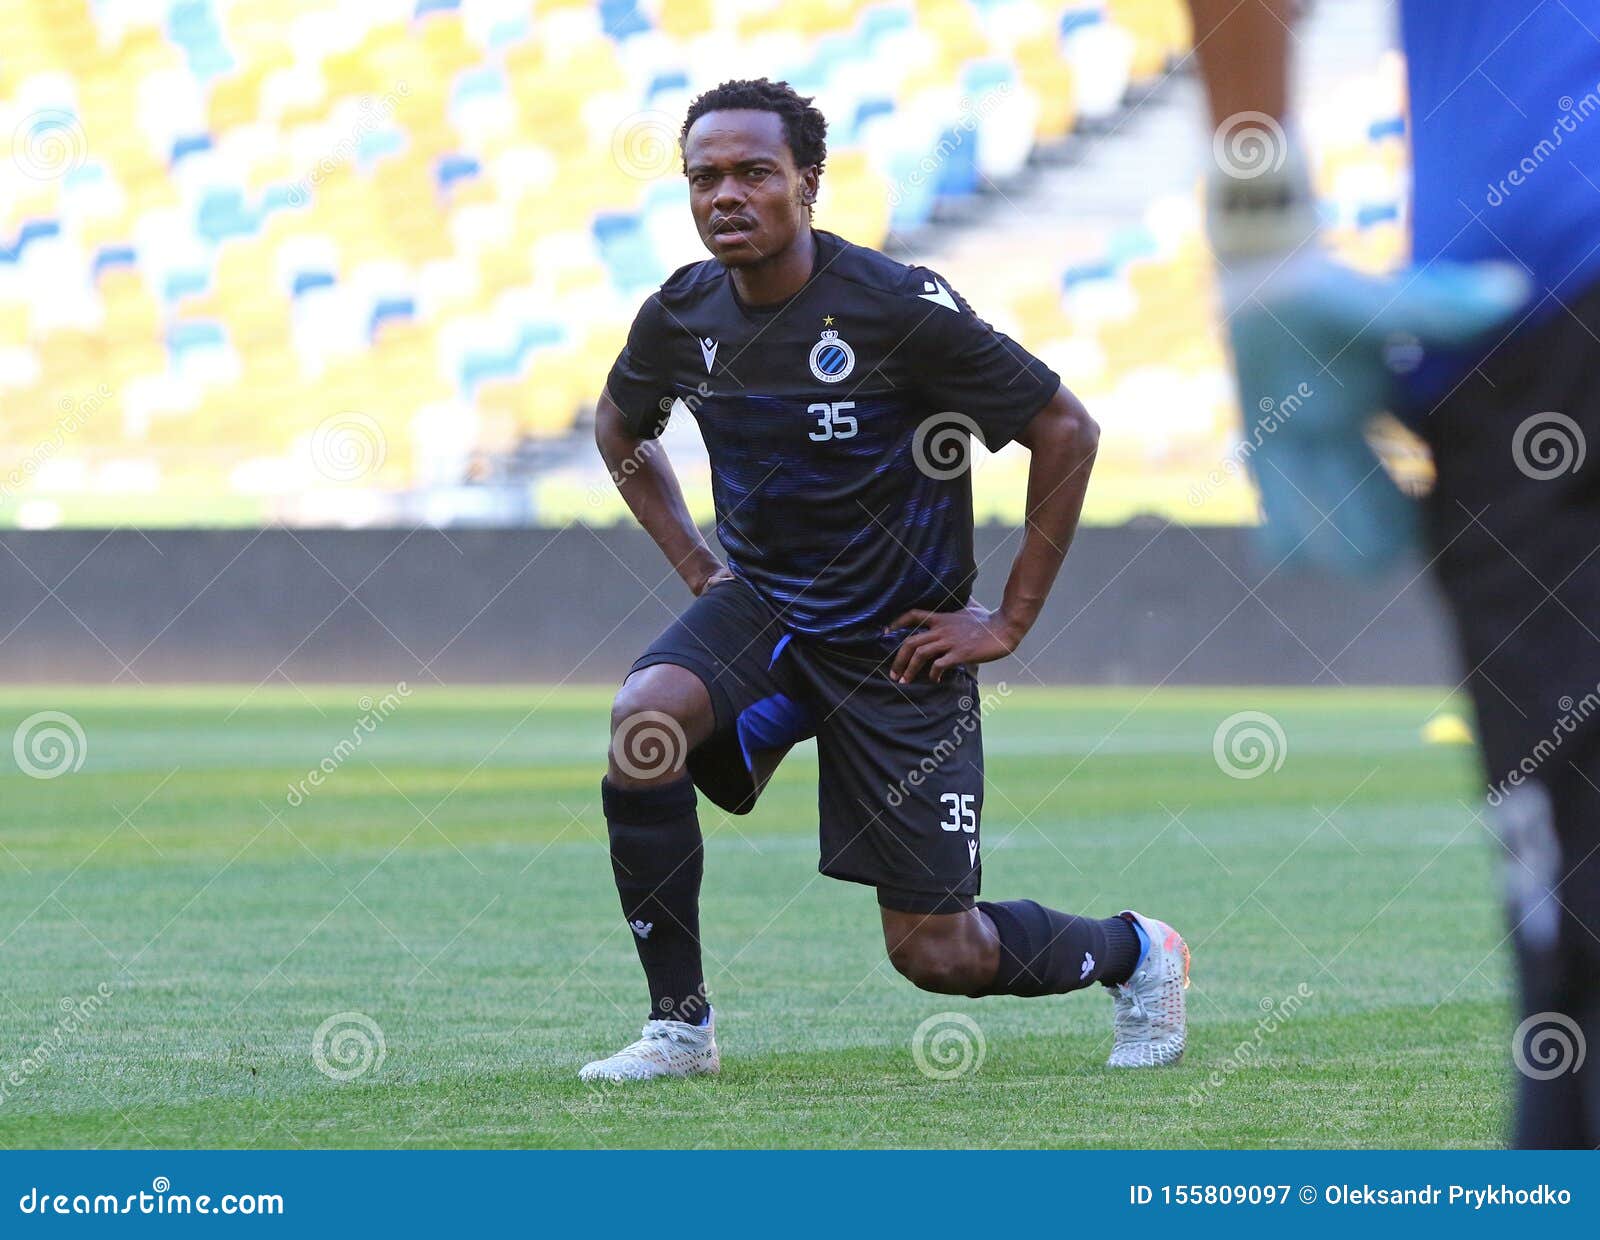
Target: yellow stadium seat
{"x": 684, "y": 19}
{"x": 1044, "y": 70}
{"x": 854, "y": 201}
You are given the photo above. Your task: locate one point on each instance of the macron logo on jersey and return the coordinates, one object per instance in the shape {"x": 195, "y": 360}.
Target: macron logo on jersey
{"x": 708, "y": 350}
{"x": 935, "y": 292}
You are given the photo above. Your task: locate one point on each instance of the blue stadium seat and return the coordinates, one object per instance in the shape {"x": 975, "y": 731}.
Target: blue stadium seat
{"x": 622, "y": 18}
{"x": 397, "y": 309}
{"x": 190, "y": 144}
{"x": 957, "y": 177}
{"x": 192, "y": 25}
{"x": 31, "y": 231}
{"x": 189, "y": 337}
{"x": 110, "y": 257}
{"x": 223, "y": 214}
{"x": 309, "y": 281}
{"x": 453, "y": 168}
{"x": 184, "y": 282}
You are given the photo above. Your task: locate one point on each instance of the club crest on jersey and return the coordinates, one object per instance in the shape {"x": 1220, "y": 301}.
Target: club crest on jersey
{"x": 831, "y": 358}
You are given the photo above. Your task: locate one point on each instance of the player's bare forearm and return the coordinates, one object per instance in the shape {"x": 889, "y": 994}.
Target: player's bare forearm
{"x": 1243, "y": 53}
{"x": 648, "y": 484}
{"x": 1062, "y": 439}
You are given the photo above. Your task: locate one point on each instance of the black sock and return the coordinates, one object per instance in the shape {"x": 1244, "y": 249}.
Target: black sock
{"x": 1043, "y": 952}
{"x": 657, "y": 858}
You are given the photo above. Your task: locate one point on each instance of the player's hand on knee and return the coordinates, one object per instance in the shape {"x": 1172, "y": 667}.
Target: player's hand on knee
{"x": 946, "y": 639}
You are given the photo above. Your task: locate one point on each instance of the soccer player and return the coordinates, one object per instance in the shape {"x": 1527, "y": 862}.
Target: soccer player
{"x": 1504, "y": 301}
{"x": 832, "y": 385}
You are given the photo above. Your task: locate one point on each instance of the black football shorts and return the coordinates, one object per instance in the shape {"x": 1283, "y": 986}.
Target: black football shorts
{"x": 900, "y": 781}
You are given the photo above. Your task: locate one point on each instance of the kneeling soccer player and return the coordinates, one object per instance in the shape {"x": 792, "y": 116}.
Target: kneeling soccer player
{"x": 831, "y": 384}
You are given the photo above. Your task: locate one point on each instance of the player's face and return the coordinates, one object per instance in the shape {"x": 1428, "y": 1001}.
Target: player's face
{"x": 748, "y": 197}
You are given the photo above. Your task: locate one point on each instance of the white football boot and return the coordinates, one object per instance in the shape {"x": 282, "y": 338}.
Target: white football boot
{"x": 1149, "y": 1025}
{"x": 667, "y": 1048}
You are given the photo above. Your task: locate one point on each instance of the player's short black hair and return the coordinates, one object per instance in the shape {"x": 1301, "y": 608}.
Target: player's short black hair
{"x": 803, "y": 125}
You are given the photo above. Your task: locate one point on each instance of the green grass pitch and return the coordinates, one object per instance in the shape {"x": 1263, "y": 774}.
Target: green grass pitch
{"x": 176, "y": 932}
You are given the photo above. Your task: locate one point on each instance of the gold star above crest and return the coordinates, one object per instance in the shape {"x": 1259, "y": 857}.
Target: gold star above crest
{"x": 827, "y": 320}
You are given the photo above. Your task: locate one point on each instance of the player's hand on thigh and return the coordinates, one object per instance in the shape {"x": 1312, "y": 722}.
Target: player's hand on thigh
{"x": 946, "y": 639}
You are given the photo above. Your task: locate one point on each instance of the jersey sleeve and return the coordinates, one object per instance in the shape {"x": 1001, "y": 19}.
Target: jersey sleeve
{"x": 638, "y": 382}
{"x": 963, "y": 365}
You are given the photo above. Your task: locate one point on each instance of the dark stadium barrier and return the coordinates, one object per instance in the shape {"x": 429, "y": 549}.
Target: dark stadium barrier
{"x": 1137, "y": 604}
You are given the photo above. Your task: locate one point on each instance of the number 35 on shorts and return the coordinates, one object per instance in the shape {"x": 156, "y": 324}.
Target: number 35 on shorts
{"x": 963, "y": 812}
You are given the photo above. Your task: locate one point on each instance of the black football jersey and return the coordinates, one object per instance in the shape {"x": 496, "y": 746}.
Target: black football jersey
{"x": 837, "y": 423}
